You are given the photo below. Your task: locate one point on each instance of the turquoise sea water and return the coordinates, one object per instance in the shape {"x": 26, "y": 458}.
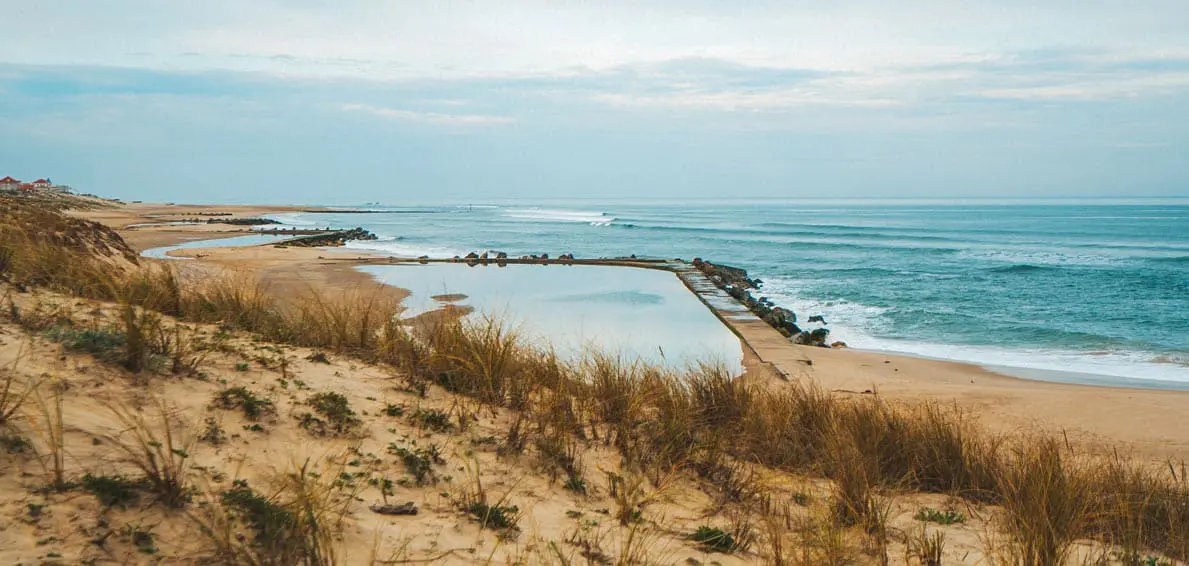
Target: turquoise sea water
{"x": 1098, "y": 289}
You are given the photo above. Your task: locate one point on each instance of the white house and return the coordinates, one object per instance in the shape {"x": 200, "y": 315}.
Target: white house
{"x": 8, "y": 184}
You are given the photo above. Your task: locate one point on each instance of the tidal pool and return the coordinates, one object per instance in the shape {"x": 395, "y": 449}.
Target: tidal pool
{"x": 639, "y": 313}
{"x": 232, "y": 242}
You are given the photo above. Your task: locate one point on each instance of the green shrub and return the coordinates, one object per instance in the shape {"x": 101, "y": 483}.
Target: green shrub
{"x": 940, "y": 517}
{"x": 432, "y": 419}
{"x": 114, "y": 490}
{"x": 336, "y": 415}
{"x": 271, "y": 523}
{"x": 105, "y": 343}
{"x": 394, "y": 410}
{"x": 419, "y": 462}
{"x": 242, "y": 398}
{"x": 714, "y": 539}
{"x": 498, "y": 517}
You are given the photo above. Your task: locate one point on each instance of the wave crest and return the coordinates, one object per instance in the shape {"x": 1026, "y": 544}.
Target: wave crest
{"x": 560, "y": 215}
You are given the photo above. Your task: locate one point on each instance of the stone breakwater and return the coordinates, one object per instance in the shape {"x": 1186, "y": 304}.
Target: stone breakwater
{"x": 736, "y": 283}
{"x": 243, "y": 221}
{"x": 329, "y": 239}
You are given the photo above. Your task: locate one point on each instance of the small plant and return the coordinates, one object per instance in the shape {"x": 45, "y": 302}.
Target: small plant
{"x": 497, "y": 517}
{"x": 14, "y": 443}
{"x": 242, "y": 398}
{"x": 561, "y": 452}
{"x": 928, "y": 548}
{"x": 714, "y": 539}
{"x": 114, "y": 490}
{"x": 52, "y": 432}
{"x": 394, "y": 410}
{"x": 296, "y": 523}
{"x": 931, "y": 515}
{"x": 318, "y": 358}
{"x": 432, "y": 419}
{"x": 272, "y": 524}
{"x": 242, "y": 366}
{"x": 103, "y": 343}
{"x": 160, "y": 451}
{"x": 419, "y": 462}
{"x": 142, "y": 538}
{"x": 213, "y": 433}
{"x": 336, "y": 412}
{"x": 575, "y": 484}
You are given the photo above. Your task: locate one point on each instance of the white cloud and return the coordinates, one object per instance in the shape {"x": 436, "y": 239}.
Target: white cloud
{"x": 459, "y": 38}
{"x": 429, "y": 117}
{"x": 741, "y": 100}
{"x": 1094, "y": 87}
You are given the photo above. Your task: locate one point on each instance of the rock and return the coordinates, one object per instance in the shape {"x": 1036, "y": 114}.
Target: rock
{"x": 472, "y": 255}
{"x": 407, "y": 508}
{"x": 815, "y": 338}
{"x": 332, "y": 238}
{"x": 501, "y": 255}
{"x": 423, "y": 259}
{"x": 838, "y": 344}
{"x": 817, "y": 318}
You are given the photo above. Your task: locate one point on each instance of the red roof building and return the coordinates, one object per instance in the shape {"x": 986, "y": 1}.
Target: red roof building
{"x": 9, "y": 184}
{"x": 41, "y": 184}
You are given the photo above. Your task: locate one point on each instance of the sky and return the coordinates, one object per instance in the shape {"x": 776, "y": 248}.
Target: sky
{"x": 356, "y": 101}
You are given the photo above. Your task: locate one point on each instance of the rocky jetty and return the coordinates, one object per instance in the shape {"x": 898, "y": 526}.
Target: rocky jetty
{"x": 242, "y": 221}
{"x": 329, "y": 239}
{"x": 737, "y": 284}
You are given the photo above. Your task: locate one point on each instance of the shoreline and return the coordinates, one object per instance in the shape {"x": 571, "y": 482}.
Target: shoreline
{"x": 1096, "y": 417}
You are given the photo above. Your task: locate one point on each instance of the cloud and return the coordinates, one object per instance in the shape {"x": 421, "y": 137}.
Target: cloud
{"x": 429, "y": 117}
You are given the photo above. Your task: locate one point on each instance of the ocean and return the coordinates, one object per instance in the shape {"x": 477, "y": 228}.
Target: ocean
{"x": 1093, "y": 291}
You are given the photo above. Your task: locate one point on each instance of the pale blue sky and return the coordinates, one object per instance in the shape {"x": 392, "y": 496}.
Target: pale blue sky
{"x": 353, "y": 101}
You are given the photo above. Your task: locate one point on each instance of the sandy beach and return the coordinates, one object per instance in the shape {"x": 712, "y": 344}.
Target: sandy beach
{"x": 1100, "y": 419}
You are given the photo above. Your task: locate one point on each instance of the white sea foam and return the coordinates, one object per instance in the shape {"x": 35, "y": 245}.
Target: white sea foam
{"x": 1037, "y": 257}
{"x": 297, "y": 219}
{"x": 560, "y": 215}
{"x": 398, "y": 248}
{"x": 859, "y": 326}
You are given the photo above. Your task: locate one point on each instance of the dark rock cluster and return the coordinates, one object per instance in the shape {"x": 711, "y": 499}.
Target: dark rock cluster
{"x": 737, "y": 284}
{"x": 502, "y": 259}
{"x": 242, "y": 221}
{"x": 335, "y": 238}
